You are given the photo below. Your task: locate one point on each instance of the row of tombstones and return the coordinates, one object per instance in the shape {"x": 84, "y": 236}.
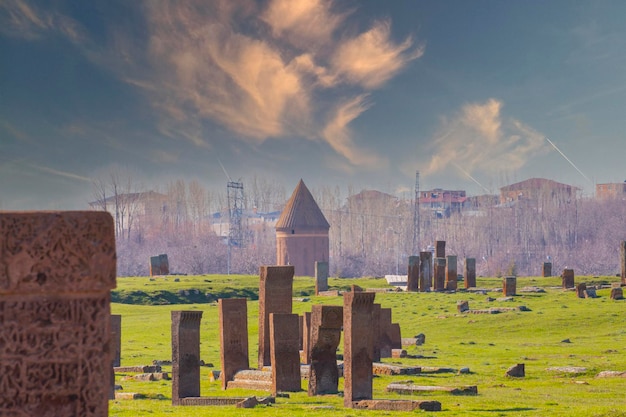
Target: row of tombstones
{"x": 364, "y": 324}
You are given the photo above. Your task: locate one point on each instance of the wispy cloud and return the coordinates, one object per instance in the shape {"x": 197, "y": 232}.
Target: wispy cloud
{"x": 480, "y": 139}
{"x": 60, "y": 173}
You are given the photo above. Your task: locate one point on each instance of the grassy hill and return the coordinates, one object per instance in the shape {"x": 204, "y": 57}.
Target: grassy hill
{"x": 486, "y": 343}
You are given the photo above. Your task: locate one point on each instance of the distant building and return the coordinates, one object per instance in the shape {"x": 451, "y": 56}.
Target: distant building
{"x": 611, "y": 191}
{"x": 442, "y": 203}
{"x": 537, "y": 190}
{"x": 302, "y": 233}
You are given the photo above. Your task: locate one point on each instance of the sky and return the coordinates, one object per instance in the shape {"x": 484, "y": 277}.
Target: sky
{"x": 474, "y": 95}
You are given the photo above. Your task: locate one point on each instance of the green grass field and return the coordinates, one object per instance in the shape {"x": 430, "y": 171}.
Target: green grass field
{"x": 486, "y": 343}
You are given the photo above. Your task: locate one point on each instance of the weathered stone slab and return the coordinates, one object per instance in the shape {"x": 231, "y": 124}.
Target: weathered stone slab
{"x": 56, "y": 273}
{"x": 617, "y": 294}
{"x": 152, "y": 376}
{"x": 129, "y": 396}
{"x": 437, "y": 370}
{"x": 580, "y": 290}
{"x": 284, "y": 337}
{"x": 275, "y": 296}
{"x": 233, "y": 318}
{"x": 462, "y": 306}
{"x": 567, "y": 278}
{"x": 116, "y": 338}
{"x": 396, "y": 405}
{"x": 306, "y": 338}
{"x": 469, "y": 278}
{"x": 137, "y": 369}
{"x": 389, "y": 369}
{"x": 185, "y": 354}
{"x": 412, "y": 281}
{"x": 567, "y": 369}
{"x": 358, "y": 346}
{"x": 159, "y": 265}
{"x": 509, "y": 286}
{"x": 321, "y": 276}
{"x": 401, "y": 388}
{"x": 384, "y": 342}
{"x": 440, "y": 274}
{"x": 376, "y": 329}
{"x": 611, "y": 374}
{"x": 516, "y": 371}
{"x": 451, "y": 272}
{"x": 326, "y": 323}
{"x": 253, "y": 380}
{"x": 398, "y": 353}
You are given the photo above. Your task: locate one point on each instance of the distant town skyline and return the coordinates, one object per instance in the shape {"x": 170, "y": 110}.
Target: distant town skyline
{"x": 473, "y": 95}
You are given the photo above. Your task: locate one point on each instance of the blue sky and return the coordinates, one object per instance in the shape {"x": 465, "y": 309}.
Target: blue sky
{"x": 359, "y": 93}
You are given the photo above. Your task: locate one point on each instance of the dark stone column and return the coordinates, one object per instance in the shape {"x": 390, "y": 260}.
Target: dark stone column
{"x": 547, "y": 269}
{"x": 306, "y": 338}
{"x": 275, "y": 296}
{"x": 384, "y": 339}
{"x": 440, "y": 274}
{"x": 623, "y": 260}
{"x": 284, "y": 353}
{"x": 56, "y": 273}
{"x": 567, "y": 278}
{"x": 426, "y": 271}
{"x": 233, "y": 317}
{"x": 116, "y": 338}
{"x": 326, "y": 322}
{"x": 451, "y": 272}
{"x": 412, "y": 282}
{"x": 358, "y": 346}
{"x": 376, "y": 331}
{"x": 185, "y": 355}
{"x": 470, "y": 273}
{"x": 321, "y": 276}
{"x": 509, "y": 286}
{"x": 440, "y": 249}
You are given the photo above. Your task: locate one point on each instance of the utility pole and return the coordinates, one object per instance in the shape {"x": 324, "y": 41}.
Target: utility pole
{"x": 416, "y": 215}
{"x": 234, "y": 191}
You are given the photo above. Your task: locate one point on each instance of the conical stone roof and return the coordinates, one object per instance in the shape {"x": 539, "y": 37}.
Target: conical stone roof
{"x": 302, "y": 212}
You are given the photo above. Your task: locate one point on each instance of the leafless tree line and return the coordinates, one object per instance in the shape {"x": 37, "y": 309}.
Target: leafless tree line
{"x": 368, "y": 237}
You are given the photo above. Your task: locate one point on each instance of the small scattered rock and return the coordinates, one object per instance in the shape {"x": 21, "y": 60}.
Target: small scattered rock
{"x": 516, "y": 371}
{"x": 611, "y": 374}
{"x": 249, "y": 402}
{"x": 464, "y": 370}
{"x": 566, "y": 341}
{"x": 567, "y": 369}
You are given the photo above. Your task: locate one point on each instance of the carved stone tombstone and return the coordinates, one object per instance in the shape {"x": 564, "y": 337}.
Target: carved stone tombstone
{"x": 568, "y": 278}
{"x": 622, "y": 251}
{"x": 440, "y": 249}
{"x": 358, "y": 346}
{"x": 56, "y": 273}
{"x": 326, "y": 322}
{"x": 275, "y": 296}
{"x": 284, "y": 340}
{"x": 509, "y": 286}
{"x": 470, "y": 273}
{"x": 185, "y": 355}
{"x": 546, "y": 271}
{"x": 451, "y": 272}
{"x": 412, "y": 282}
{"x": 384, "y": 341}
{"x": 233, "y": 317}
{"x": 159, "y": 265}
{"x": 440, "y": 274}
{"x": 426, "y": 271}
{"x": 581, "y": 289}
{"x": 321, "y": 276}
{"x": 116, "y": 338}
{"x": 376, "y": 331}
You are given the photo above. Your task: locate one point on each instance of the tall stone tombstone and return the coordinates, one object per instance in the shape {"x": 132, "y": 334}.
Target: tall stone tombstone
{"x": 426, "y": 271}
{"x": 358, "y": 346}
{"x": 451, "y": 272}
{"x": 509, "y": 286}
{"x": 470, "y": 273}
{"x": 233, "y": 318}
{"x": 56, "y": 273}
{"x": 376, "y": 330}
{"x": 155, "y": 266}
{"x": 284, "y": 352}
{"x": 321, "y": 276}
{"x": 439, "y": 283}
{"x": 116, "y": 339}
{"x": 440, "y": 249}
{"x": 275, "y": 296}
{"x": 164, "y": 263}
{"x": 567, "y": 278}
{"x": 326, "y": 322}
{"x": 412, "y": 283}
{"x": 384, "y": 333}
{"x": 546, "y": 271}
{"x": 623, "y": 260}
{"x": 185, "y": 355}
{"x": 306, "y": 338}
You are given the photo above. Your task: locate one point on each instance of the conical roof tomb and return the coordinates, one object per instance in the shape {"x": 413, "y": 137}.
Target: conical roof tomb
{"x": 301, "y": 212}
{"x": 302, "y": 233}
